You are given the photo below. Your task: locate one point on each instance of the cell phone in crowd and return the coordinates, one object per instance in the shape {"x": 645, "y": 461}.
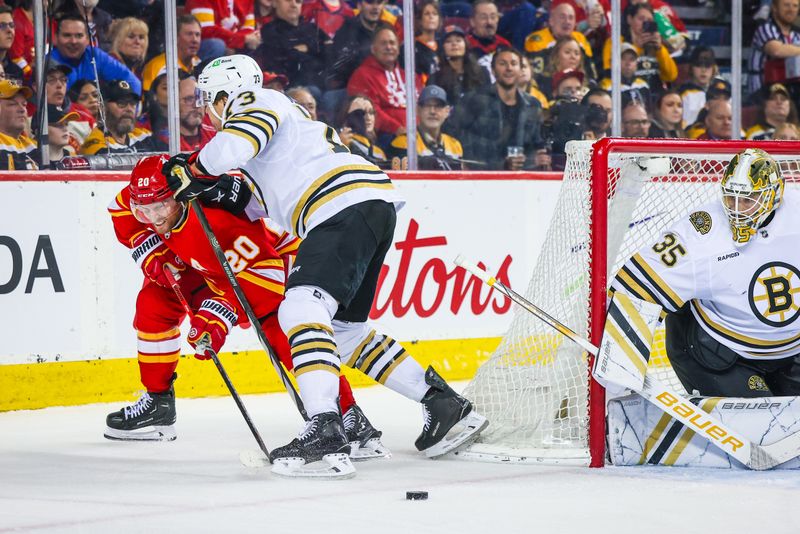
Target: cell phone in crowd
{"x": 513, "y": 151}
{"x": 649, "y": 26}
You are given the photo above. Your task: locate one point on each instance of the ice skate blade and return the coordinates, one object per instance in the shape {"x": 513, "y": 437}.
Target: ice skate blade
{"x": 335, "y": 466}
{"x": 372, "y": 449}
{"x": 460, "y": 436}
{"x": 154, "y": 433}
{"x": 253, "y": 458}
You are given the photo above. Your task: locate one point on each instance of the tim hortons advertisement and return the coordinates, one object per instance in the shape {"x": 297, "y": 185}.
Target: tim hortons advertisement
{"x": 68, "y": 287}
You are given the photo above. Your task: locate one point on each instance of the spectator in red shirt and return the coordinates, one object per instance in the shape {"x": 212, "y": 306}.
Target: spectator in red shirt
{"x": 327, "y": 15}
{"x": 483, "y": 39}
{"x": 263, "y": 13}
{"x": 232, "y": 21}
{"x": 383, "y": 81}
{"x": 23, "y": 48}
{"x": 7, "y": 32}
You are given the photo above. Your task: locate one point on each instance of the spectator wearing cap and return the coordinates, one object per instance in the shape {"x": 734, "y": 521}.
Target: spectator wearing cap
{"x": 635, "y": 121}
{"x": 23, "y": 49}
{"x": 327, "y": 15}
{"x": 703, "y": 71}
{"x": 498, "y": 124}
{"x": 566, "y": 54}
{"x": 459, "y": 72}
{"x": 383, "y": 81}
{"x": 58, "y": 137}
{"x": 71, "y": 48}
{"x": 436, "y": 150}
{"x": 99, "y": 20}
{"x": 654, "y": 62}
{"x": 569, "y": 84}
{"x": 718, "y": 120}
{"x": 293, "y": 47}
{"x": 775, "y": 46}
{"x": 352, "y": 44}
{"x": 356, "y": 123}
{"x": 15, "y": 146}
{"x": 668, "y": 116}
{"x": 55, "y": 83}
{"x": 719, "y": 90}
{"x": 776, "y": 109}
{"x": 122, "y": 135}
{"x": 632, "y": 87}
{"x": 560, "y": 25}
{"x": 230, "y": 21}
{"x": 7, "y": 32}
{"x": 129, "y": 40}
{"x": 276, "y": 82}
{"x": 188, "y": 45}
{"x": 303, "y": 96}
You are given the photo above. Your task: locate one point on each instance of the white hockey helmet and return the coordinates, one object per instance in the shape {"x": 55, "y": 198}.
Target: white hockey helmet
{"x": 230, "y": 75}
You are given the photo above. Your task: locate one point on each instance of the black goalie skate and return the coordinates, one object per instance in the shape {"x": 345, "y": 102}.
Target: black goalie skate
{"x": 320, "y": 451}
{"x": 365, "y": 439}
{"x": 450, "y": 421}
{"x": 151, "y": 418}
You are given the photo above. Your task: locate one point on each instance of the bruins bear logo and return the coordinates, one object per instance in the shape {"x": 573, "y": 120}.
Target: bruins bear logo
{"x": 701, "y": 221}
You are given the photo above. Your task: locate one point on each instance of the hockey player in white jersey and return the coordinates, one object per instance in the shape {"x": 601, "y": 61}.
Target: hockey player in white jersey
{"x": 728, "y": 277}
{"x": 344, "y": 209}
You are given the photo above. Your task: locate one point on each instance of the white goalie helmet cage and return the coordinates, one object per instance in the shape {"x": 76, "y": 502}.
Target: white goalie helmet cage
{"x": 231, "y": 75}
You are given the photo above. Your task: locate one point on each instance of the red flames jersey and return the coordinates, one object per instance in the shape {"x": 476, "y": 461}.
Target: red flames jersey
{"x": 259, "y": 257}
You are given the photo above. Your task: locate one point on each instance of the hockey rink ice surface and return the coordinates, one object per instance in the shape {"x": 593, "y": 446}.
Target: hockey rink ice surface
{"x": 58, "y": 474}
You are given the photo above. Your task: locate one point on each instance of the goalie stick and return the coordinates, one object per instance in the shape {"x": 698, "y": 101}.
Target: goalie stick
{"x": 752, "y": 455}
{"x": 204, "y": 345}
{"x": 251, "y": 316}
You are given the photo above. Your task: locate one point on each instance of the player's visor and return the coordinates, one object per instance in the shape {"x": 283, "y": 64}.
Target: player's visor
{"x": 155, "y": 213}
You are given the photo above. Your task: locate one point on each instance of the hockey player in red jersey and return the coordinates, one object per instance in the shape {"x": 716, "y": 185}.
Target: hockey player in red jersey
{"x": 163, "y": 233}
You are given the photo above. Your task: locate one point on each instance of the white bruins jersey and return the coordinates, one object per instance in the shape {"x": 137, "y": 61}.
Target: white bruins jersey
{"x": 746, "y": 298}
{"x": 301, "y": 171}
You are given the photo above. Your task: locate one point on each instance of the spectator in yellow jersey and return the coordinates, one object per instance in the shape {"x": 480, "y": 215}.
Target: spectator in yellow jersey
{"x": 122, "y": 135}
{"x": 776, "y": 109}
{"x": 15, "y": 146}
{"x": 527, "y": 84}
{"x": 188, "y": 45}
{"x": 561, "y": 24}
{"x": 435, "y": 150}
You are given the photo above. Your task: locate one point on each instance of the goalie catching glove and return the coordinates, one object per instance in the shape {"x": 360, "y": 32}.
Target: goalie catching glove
{"x": 152, "y": 256}
{"x": 213, "y": 321}
{"x": 180, "y": 173}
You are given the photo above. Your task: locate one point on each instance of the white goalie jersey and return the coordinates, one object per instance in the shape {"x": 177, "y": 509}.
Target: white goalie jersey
{"x": 747, "y": 298}
{"x": 302, "y": 173}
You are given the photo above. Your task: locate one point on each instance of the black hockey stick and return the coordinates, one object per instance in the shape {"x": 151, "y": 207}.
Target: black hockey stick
{"x": 753, "y": 455}
{"x": 251, "y": 316}
{"x": 205, "y": 346}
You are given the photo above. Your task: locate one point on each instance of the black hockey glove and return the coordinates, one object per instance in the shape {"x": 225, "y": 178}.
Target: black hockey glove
{"x": 230, "y": 193}
{"x": 182, "y": 181}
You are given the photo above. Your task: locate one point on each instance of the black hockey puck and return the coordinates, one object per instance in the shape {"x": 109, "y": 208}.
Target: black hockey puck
{"x": 416, "y": 495}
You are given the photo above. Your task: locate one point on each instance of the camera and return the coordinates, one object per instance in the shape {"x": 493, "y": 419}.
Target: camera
{"x": 649, "y": 26}
{"x": 596, "y": 118}
{"x": 567, "y": 122}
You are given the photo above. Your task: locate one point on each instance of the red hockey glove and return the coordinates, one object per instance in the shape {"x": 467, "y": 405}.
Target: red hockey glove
{"x": 182, "y": 179}
{"x": 213, "y": 321}
{"x": 152, "y": 256}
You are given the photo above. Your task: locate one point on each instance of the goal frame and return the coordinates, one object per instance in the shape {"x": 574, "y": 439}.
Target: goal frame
{"x": 601, "y": 151}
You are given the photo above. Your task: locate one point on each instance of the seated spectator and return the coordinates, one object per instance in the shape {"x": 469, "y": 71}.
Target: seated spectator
{"x": 129, "y": 43}
{"x": 569, "y": 84}
{"x": 598, "y": 114}
{"x": 483, "y": 39}
{"x": 84, "y": 99}
{"x": 719, "y": 89}
{"x": 669, "y": 16}
{"x": 668, "y": 116}
{"x": 155, "y": 113}
{"x": 327, "y": 15}
{"x": 58, "y": 138}
{"x": 560, "y": 26}
{"x": 459, "y": 72}
{"x": 787, "y": 132}
{"x": 99, "y": 20}
{"x": 276, "y": 82}
{"x": 702, "y": 72}
{"x": 566, "y": 54}
{"x": 776, "y": 44}
{"x": 71, "y": 43}
{"x": 593, "y": 23}
{"x": 7, "y": 31}
{"x": 233, "y": 22}
{"x": 356, "y": 123}
{"x": 303, "y": 96}
{"x": 497, "y": 124}
{"x": 352, "y": 43}
{"x": 263, "y": 11}
{"x": 635, "y": 121}
{"x": 188, "y": 45}
{"x": 23, "y": 50}
{"x": 55, "y": 83}
{"x": 776, "y": 109}
{"x": 527, "y": 84}
{"x": 383, "y": 81}
{"x": 195, "y": 133}
{"x": 718, "y": 120}
{"x": 121, "y": 134}
{"x": 15, "y": 146}
{"x": 655, "y": 64}
{"x": 292, "y": 47}
{"x": 435, "y": 150}
{"x": 632, "y": 86}
{"x": 427, "y": 23}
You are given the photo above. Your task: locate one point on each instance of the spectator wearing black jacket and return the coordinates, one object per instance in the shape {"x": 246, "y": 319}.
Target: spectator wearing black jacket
{"x": 459, "y": 72}
{"x": 293, "y": 47}
{"x": 352, "y": 44}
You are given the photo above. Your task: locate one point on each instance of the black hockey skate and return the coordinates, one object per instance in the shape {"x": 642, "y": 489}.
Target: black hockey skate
{"x": 365, "y": 439}
{"x": 321, "y": 451}
{"x": 450, "y": 421}
{"x": 151, "y": 418}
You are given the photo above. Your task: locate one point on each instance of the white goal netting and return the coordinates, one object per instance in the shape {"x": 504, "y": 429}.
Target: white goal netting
{"x": 534, "y": 389}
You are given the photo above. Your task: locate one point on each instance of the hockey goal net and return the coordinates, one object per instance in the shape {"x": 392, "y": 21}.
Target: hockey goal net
{"x": 617, "y": 195}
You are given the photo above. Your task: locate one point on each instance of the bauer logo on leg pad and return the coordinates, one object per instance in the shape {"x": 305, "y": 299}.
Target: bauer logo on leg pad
{"x": 699, "y": 421}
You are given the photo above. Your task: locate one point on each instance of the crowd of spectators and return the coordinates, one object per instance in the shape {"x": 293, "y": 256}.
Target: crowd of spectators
{"x": 500, "y": 84}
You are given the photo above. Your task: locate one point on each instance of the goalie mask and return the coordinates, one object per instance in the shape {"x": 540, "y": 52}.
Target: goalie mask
{"x": 752, "y": 188}
{"x": 230, "y": 75}
{"x": 151, "y": 199}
